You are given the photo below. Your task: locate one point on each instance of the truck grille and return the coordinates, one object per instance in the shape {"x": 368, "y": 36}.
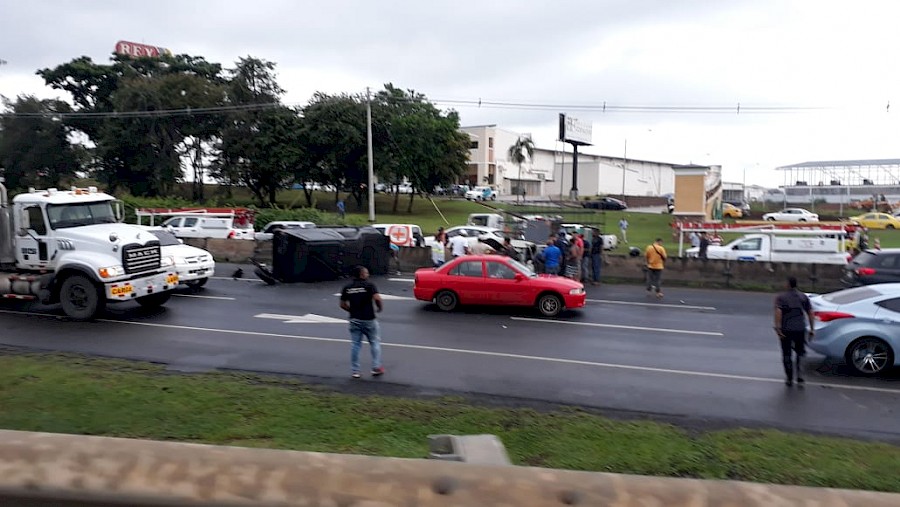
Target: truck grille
{"x": 137, "y": 258}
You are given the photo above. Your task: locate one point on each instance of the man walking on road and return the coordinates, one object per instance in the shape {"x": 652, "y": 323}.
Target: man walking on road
{"x": 358, "y": 299}
{"x": 656, "y": 262}
{"x": 792, "y": 309}
{"x": 596, "y": 257}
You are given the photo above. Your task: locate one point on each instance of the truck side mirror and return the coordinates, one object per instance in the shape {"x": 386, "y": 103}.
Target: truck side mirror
{"x": 24, "y": 224}
{"x": 118, "y": 210}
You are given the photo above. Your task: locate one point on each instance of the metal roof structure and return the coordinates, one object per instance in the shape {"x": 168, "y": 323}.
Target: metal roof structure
{"x": 842, "y": 164}
{"x": 843, "y": 173}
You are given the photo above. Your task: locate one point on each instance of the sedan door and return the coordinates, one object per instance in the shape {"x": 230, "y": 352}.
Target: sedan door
{"x": 466, "y": 279}
{"x": 502, "y": 286}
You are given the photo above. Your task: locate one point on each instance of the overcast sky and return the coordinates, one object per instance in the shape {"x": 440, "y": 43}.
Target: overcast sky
{"x": 838, "y": 57}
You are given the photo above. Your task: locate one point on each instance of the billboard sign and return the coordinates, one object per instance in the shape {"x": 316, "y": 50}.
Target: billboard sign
{"x": 573, "y": 130}
{"x": 137, "y": 50}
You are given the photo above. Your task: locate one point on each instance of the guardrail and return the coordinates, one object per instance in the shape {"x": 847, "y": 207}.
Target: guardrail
{"x": 38, "y": 469}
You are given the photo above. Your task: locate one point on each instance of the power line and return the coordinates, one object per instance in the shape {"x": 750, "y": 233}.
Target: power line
{"x": 479, "y": 103}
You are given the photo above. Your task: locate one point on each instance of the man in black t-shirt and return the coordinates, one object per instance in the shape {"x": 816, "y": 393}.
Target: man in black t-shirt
{"x": 358, "y": 299}
{"x": 792, "y": 309}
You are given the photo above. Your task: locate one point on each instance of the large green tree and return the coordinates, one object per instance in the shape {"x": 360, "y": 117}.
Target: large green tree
{"x": 35, "y": 149}
{"x": 134, "y": 111}
{"x": 419, "y": 142}
{"x": 334, "y": 137}
{"x": 259, "y": 145}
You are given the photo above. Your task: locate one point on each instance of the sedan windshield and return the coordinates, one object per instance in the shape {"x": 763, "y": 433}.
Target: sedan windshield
{"x": 75, "y": 215}
{"x": 525, "y": 270}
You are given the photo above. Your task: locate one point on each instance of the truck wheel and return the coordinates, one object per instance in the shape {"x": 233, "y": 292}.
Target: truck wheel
{"x": 80, "y": 298}
{"x": 154, "y": 300}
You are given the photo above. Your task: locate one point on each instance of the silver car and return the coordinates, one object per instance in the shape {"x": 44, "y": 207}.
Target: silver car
{"x": 860, "y": 325}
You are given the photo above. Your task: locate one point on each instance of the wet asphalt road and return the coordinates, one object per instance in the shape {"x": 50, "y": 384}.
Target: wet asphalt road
{"x": 699, "y": 355}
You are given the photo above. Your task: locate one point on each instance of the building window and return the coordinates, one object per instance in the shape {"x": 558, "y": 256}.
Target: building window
{"x": 473, "y": 145}
{"x": 490, "y": 142}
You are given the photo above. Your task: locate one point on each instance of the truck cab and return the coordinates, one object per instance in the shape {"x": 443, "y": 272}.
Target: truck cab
{"x": 70, "y": 247}
{"x": 813, "y": 247}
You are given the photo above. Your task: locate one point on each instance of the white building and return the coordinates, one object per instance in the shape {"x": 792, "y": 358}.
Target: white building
{"x": 549, "y": 172}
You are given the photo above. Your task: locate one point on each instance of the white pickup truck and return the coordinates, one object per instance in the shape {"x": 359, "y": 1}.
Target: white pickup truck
{"x": 824, "y": 248}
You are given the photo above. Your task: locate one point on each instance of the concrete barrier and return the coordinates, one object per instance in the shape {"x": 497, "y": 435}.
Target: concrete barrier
{"x": 238, "y": 251}
{"x": 43, "y": 469}
{"x": 727, "y": 274}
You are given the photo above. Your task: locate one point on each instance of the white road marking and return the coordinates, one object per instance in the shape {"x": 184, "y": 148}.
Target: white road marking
{"x": 618, "y": 326}
{"x": 236, "y": 279}
{"x": 488, "y": 354}
{"x": 410, "y": 280}
{"x": 223, "y": 298}
{"x": 661, "y": 305}
{"x": 309, "y": 318}
{"x": 389, "y": 297}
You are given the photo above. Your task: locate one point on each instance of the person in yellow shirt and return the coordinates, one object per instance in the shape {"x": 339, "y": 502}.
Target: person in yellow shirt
{"x": 656, "y": 263}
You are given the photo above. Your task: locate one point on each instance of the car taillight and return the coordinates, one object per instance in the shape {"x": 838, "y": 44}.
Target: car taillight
{"x": 865, "y": 271}
{"x": 829, "y": 316}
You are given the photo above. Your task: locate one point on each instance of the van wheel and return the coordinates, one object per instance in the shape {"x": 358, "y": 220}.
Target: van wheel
{"x": 771, "y": 219}
{"x": 446, "y": 300}
{"x": 196, "y": 284}
{"x": 549, "y": 305}
{"x": 81, "y": 298}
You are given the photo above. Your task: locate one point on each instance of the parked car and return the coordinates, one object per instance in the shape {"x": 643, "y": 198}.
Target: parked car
{"x": 877, "y": 221}
{"x": 791, "y": 215}
{"x": 496, "y": 280}
{"x": 605, "y": 203}
{"x": 268, "y": 231}
{"x": 859, "y": 325}
{"x": 871, "y": 267}
{"x": 459, "y": 190}
{"x": 731, "y": 211}
{"x": 200, "y": 226}
{"x": 481, "y": 193}
{"x": 194, "y": 265}
{"x": 402, "y": 234}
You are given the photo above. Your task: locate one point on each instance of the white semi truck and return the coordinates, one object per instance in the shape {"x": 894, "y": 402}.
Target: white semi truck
{"x": 70, "y": 247}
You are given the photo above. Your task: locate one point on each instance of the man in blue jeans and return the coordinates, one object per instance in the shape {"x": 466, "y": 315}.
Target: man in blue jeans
{"x": 358, "y": 298}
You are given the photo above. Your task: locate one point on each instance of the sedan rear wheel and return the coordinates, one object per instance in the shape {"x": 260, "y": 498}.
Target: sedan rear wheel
{"x": 550, "y": 305}
{"x": 446, "y": 300}
{"x": 870, "y": 356}
{"x": 889, "y": 226}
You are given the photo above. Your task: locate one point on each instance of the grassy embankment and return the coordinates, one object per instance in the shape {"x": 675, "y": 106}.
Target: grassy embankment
{"x": 70, "y": 394}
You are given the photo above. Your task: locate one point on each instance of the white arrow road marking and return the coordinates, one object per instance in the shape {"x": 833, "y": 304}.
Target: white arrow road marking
{"x": 389, "y": 297}
{"x": 617, "y": 326}
{"x": 309, "y": 318}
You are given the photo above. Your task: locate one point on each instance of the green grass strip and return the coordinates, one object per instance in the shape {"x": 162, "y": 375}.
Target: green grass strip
{"x": 71, "y": 394}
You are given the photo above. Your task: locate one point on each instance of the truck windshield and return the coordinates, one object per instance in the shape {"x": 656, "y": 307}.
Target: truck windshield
{"x": 75, "y": 215}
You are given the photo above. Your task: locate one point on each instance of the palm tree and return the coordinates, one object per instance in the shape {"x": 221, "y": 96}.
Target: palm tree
{"x": 520, "y": 152}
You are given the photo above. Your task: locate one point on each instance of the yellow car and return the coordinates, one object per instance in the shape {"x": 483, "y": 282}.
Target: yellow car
{"x": 877, "y": 221}
{"x": 731, "y": 211}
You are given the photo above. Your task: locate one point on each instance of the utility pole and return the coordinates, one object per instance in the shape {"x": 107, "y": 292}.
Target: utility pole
{"x": 624, "y": 168}
{"x": 369, "y": 155}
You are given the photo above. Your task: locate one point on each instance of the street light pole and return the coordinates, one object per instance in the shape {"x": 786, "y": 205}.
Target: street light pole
{"x": 624, "y": 167}
{"x": 369, "y": 156}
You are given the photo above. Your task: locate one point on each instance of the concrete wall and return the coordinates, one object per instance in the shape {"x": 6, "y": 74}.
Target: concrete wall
{"x": 727, "y": 274}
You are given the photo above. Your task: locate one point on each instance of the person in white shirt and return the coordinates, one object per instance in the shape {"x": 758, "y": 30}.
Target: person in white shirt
{"x": 623, "y": 228}
{"x": 459, "y": 245}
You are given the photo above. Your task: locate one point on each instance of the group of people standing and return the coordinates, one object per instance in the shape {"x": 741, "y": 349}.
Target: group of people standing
{"x": 579, "y": 259}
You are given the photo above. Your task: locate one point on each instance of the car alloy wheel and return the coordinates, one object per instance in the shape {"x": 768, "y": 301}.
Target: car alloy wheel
{"x": 446, "y": 300}
{"x": 870, "y": 356}
{"x": 550, "y": 305}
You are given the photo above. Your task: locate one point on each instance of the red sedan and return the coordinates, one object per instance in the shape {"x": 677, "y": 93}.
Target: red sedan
{"x": 496, "y": 280}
